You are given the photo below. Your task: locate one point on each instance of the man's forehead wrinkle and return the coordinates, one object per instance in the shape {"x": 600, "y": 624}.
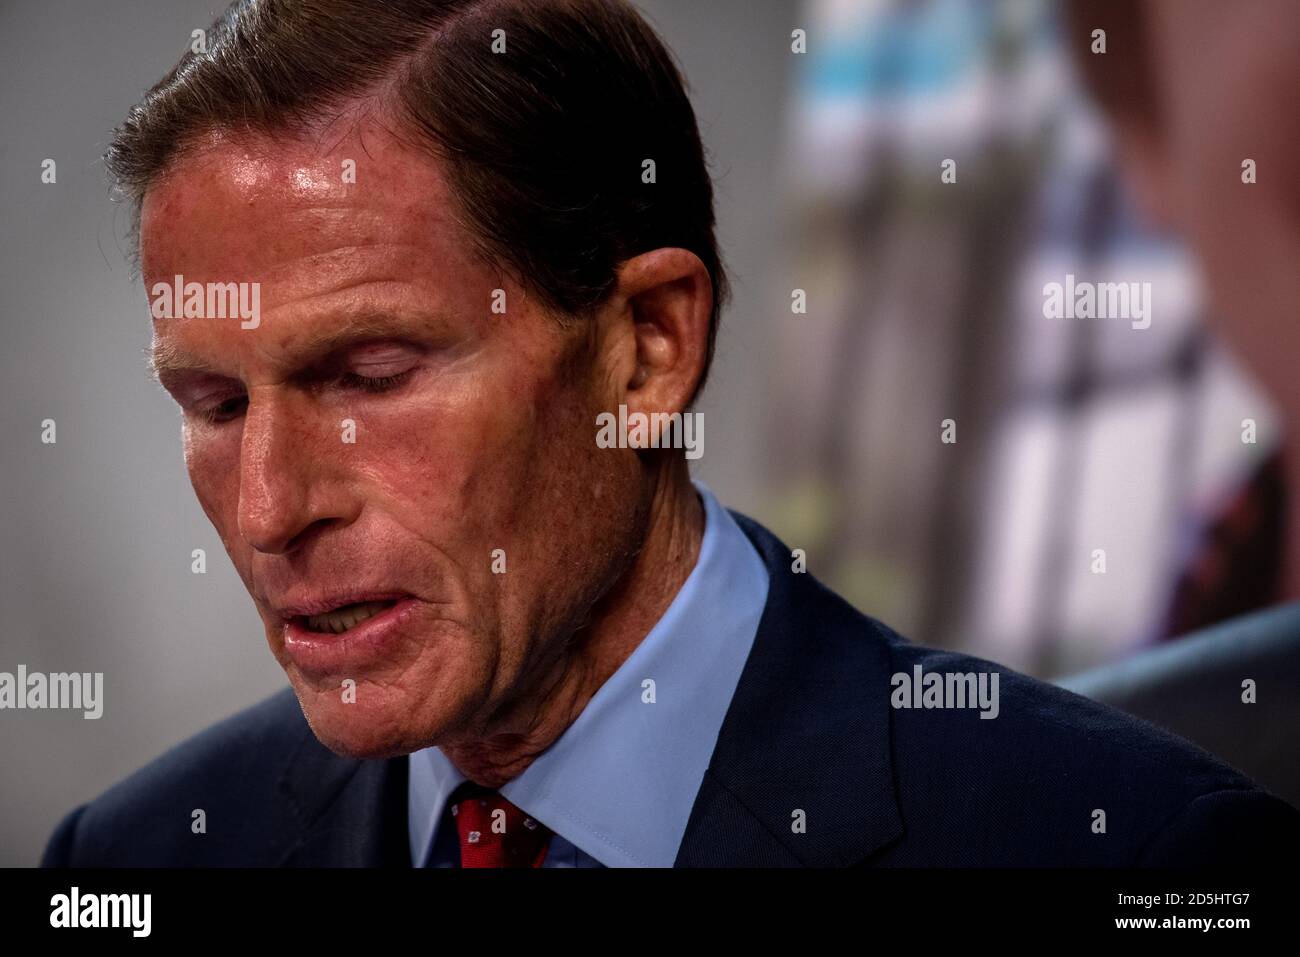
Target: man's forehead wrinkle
{"x": 293, "y": 244}
{"x": 354, "y": 258}
{"x": 351, "y": 216}
{"x": 352, "y": 298}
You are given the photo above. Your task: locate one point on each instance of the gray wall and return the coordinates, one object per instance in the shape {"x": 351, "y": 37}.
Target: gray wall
{"x": 98, "y": 528}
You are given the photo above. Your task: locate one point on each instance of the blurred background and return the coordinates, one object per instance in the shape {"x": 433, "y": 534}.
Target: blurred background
{"x": 924, "y": 302}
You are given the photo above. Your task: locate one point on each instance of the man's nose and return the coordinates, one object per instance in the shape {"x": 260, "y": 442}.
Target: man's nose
{"x": 281, "y": 495}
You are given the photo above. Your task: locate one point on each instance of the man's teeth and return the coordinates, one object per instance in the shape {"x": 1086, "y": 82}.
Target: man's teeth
{"x": 341, "y": 619}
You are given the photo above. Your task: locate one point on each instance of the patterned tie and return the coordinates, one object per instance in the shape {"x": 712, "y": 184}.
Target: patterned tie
{"x": 1237, "y": 563}
{"x": 495, "y": 833}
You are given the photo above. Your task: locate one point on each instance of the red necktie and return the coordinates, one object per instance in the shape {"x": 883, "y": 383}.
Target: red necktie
{"x": 495, "y": 833}
{"x": 1237, "y": 563}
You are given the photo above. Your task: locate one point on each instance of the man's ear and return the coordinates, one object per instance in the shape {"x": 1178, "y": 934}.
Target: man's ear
{"x": 662, "y": 304}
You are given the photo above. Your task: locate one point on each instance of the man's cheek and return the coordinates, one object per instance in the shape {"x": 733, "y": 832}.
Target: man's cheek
{"x": 216, "y": 487}
{"x": 442, "y": 454}
{"x": 218, "y": 495}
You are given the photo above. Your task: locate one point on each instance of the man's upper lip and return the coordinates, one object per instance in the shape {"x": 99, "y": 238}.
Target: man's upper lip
{"x": 317, "y": 603}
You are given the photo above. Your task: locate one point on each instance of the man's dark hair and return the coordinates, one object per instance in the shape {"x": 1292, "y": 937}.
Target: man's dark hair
{"x": 543, "y": 144}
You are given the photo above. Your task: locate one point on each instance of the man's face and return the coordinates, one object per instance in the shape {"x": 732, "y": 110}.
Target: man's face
{"x": 383, "y": 441}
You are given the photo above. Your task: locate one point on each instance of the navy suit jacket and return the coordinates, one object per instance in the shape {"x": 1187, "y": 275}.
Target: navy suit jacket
{"x": 810, "y": 729}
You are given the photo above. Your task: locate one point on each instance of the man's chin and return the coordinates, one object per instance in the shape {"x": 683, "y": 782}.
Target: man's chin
{"x": 353, "y": 724}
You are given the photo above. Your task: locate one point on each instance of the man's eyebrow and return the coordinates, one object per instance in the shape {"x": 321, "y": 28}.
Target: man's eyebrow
{"x": 166, "y": 360}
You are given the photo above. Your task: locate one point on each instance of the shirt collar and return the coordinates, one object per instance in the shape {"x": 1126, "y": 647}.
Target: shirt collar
{"x": 620, "y": 782}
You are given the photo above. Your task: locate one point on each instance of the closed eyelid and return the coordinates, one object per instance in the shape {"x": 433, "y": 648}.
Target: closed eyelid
{"x": 384, "y": 356}
{"x": 374, "y": 353}
{"x": 192, "y": 390}
{"x": 188, "y": 379}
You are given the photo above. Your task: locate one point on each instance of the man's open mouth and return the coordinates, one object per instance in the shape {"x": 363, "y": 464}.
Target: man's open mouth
{"x": 345, "y": 617}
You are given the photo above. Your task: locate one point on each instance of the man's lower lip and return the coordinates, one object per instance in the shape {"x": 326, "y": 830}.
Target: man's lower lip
{"x": 317, "y": 652}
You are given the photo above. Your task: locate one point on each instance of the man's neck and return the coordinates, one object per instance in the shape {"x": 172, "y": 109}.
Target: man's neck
{"x": 618, "y": 624}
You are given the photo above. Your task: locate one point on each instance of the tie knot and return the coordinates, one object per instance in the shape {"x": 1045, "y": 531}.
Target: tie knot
{"x": 495, "y": 833}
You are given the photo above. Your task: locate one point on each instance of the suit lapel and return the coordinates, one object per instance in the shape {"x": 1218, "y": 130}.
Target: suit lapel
{"x": 341, "y": 812}
{"x": 807, "y": 731}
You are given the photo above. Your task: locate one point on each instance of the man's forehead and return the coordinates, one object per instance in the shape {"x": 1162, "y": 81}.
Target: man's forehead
{"x": 312, "y": 163}
{"x": 326, "y": 234}
{"x": 255, "y": 194}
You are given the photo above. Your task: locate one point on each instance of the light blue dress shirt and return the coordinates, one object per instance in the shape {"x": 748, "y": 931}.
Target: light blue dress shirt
{"x": 618, "y": 785}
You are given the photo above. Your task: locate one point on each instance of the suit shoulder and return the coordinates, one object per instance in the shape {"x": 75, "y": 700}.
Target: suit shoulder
{"x": 229, "y": 769}
{"x": 1051, "y": 772}
{"x": 1073, "y": 730}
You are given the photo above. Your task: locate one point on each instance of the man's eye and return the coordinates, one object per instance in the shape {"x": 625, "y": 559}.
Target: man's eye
{"x": 224, "y": 411}
{"x": 382, "y": 383}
